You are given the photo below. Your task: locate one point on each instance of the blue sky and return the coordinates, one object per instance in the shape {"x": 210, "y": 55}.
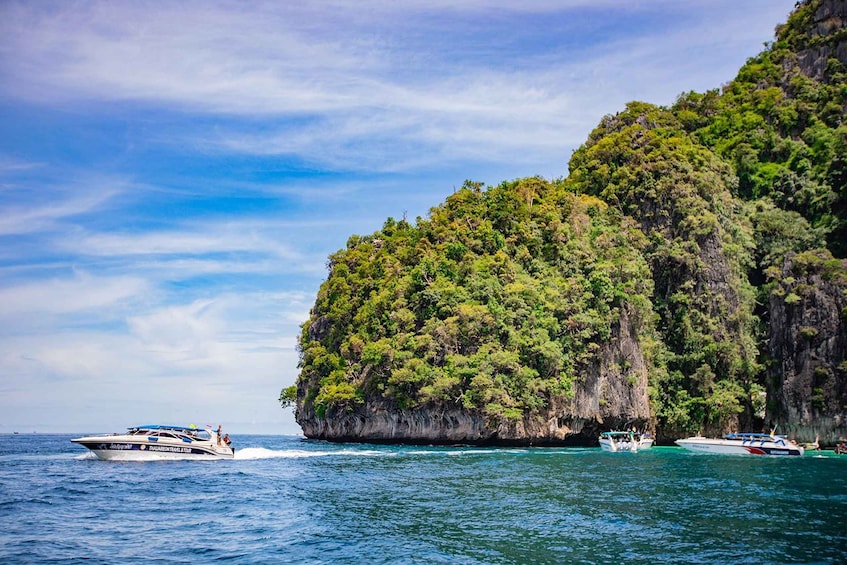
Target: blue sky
{"x": 173, "y": 175}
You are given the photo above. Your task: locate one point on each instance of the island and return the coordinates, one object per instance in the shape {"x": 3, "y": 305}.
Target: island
{"x": 685, "y": 276}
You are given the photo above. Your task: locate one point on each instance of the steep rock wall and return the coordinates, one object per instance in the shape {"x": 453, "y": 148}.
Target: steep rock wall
{"x": 679, "y": 193}
{"x": 611, "y": 395}
{"x": 828, "y": 33}
{"x": 807, "y": 396}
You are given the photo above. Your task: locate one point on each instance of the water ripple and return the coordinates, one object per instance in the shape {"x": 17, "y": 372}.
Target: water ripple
{"x": 283, "y": 500}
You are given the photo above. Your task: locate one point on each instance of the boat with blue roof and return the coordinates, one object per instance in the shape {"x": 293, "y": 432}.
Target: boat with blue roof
{"x": 743, "y": 443}
{"x": 156, "y": 442}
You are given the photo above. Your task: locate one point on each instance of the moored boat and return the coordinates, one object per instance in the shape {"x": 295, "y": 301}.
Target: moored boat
{"x": 615, "y": 441}
{"x": 154, "y": 442}
{"x": 743, "y": 443}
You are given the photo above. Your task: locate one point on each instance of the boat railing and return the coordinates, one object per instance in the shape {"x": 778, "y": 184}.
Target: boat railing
{"x": 752, "y": 438}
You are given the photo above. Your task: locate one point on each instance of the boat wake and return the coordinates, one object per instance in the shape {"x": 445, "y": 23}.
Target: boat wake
{"x": 248, "y": 453}
{"x": 255, "y": 453}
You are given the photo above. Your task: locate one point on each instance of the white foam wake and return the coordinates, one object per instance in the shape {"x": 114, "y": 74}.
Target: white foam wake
{"x": 246, "y": 453}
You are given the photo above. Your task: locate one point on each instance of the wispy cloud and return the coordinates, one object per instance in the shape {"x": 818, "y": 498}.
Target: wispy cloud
{"x": 41, "y": 207}
{"x": 215, "y": 239}
{"x": 13, "y": 165}
{"x": 81, "y": 292}
{"x": 372, "y": 85}
{"x": 232, "y": 352}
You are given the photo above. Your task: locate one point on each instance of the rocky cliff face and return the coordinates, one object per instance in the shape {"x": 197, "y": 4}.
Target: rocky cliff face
{"x": 807, "y": 396}
{"x": 679, "y": 193}
{"x": 827, "y": 39}
{"x": 611, "y": 395}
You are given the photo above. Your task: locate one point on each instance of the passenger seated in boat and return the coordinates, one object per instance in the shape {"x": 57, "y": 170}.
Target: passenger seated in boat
{"x": 227, "y": 441}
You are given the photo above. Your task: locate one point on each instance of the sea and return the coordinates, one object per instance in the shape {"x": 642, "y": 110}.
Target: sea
{"x": 284, "y": 499}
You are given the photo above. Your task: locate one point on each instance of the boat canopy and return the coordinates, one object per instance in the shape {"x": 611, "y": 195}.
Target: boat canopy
{"x": 164, "y": 427}
{"x": 748, "y": 435}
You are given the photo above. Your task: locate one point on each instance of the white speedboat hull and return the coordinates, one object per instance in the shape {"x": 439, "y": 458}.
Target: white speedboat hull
{"x": 155, "y": 443}
{"x": 741, "y": 446}
{"x": 616, "y": 441}
{"x": 616, "y": 446}
{"x": 116, "y": 450}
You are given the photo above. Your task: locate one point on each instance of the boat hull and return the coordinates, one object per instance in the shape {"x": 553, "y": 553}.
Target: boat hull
{"x": 615, "y": 447}
{"x": 735, "y": 447}
{"x": 157, "y": 443}
{"x": 140, "y": 451}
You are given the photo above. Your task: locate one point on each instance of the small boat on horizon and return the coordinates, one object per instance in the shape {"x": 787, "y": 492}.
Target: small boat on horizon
{"x": 743, "y": 443}
{"x": 615, "y": 441}
{"x": 156, "y": 442}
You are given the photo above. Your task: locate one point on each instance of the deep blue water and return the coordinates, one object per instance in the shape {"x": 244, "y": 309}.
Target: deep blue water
{"x": 285, "y": 500}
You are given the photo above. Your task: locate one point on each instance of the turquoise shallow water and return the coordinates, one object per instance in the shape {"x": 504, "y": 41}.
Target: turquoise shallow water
{"x": 285, "y": 500}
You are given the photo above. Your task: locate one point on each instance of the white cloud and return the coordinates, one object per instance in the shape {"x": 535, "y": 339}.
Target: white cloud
{"x": 177, "y": 332}
{"x": 222, "y": 359}
{"x": 215, "y": 55}
{"x": 372, "y": 85}
{"x": 79, "y": 293}
{"x": 31, "y": 209}
{"x": 251, "y": 246}
{"x": 11, "y": 165}
{"x": 213, "y": 238}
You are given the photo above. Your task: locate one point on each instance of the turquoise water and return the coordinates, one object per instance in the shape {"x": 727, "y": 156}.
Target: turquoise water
{"x": 285, "y": 500}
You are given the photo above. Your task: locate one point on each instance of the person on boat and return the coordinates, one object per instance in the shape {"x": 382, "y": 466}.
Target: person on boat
{"x": 227, "y": 441}
{"x": 218, "y": 433}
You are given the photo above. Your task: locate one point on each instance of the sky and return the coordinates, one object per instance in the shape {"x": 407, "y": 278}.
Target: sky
{"x": 174, "y": 175}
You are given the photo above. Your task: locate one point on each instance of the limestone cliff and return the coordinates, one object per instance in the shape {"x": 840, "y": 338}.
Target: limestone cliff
{"x": 611, "y": 395}
{"x": 823, "y": 36}
{"x": 808, "y": 347}
{"x": 680, "y": 194}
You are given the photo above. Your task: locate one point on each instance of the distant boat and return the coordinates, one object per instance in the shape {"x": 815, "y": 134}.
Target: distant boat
{"x": 625, "y": 441}
{"x": 743, "y": 443}
{"x": 154, "y": 442}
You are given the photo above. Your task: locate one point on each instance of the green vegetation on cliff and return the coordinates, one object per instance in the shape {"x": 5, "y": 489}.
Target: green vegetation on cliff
{"x": 496, "y": 302}
{"x": 681, "y": 218}
{"x": 781, "y": 124}
{"x": 643, "y": 162}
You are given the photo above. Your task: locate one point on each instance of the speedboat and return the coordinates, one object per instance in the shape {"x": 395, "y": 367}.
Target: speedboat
{"x": 743, "y": 443}
{"x": 625, "y": 441}
{"x": 146, "y": 443}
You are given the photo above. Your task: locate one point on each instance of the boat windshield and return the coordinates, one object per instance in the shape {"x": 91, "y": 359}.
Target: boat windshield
{"x": 753, "y": 436}
{"x": 171, "y": 432}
